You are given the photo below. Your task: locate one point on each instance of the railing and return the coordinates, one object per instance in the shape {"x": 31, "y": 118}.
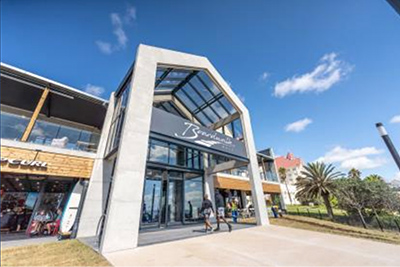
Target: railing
{"x": 383, "y": 223}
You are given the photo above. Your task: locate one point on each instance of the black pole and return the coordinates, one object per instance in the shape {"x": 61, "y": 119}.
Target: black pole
{"x": 152, "y": 202}
{"x": 389, "y": 144}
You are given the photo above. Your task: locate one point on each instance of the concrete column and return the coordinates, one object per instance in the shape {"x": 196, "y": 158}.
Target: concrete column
{"x": 257, "y": 192}
{"x": 244, "y": 198}
{"x": 121, "y": 230}
{"x": 96, "y": 195}
{"x": 209, "y": 188}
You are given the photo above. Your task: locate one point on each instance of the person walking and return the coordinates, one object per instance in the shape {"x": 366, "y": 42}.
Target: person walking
{"x": 219, "y": 203}
{"x": 206, "y": 210}
{"x": 234, "y": 210}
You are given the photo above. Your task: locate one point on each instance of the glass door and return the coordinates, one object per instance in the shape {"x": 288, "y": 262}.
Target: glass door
{"x": 152, "y": 198}
{"x": 175, "y": 198}
{"x": 193, "y": 189}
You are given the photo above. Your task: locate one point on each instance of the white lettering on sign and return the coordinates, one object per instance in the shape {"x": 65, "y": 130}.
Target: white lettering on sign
{"x": 193, "y": 132}
{"x": 27, "y": 163}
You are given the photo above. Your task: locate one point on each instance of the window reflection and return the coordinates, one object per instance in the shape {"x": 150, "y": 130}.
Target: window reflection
{"x": 52, "y": 134}
{"x": 172, "y": 154}
{"x": 13, "y": 125}
{"x": 193, "y": 197}
{"x": 158, "y": 151}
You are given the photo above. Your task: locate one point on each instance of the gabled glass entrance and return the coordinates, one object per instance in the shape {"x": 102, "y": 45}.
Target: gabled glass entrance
{"x": 171, "y": 198}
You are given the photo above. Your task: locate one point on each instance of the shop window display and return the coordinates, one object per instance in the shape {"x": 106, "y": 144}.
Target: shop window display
{"x": 33, "y": 205}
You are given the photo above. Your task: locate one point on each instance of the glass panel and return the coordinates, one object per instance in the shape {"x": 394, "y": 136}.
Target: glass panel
{"x": 219, "y": 109}
{"x": 193, "y": 196}
{"x": 228, "y": 130}
{"x": 185, "y": 100}
{"x": 177, "y": 155}
{"x": 227, "y": 105}
{"x": 152, "y": 197}
{"x": 203, "y": 119}
{"x": 211, "y": 114}
{"x": 175, "y": 194}
{"x": 12, "y": 125}
{"x": 193, "y": 95}
{"x": 44, "y": 133}
{"x": 210, "y": 84}
{"x": 195, "y": 82}
{"x": 70, "y": 135}
{"x": 237, "y": 129}
{"x": 158, "y": 151}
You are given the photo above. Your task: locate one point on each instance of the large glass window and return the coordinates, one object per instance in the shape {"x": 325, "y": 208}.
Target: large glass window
{"x": 12, "y": 125}
{"x": 158, "y": 151}
{"x": 118, "y": 116}
{"x": 172, "y": 154}
{"x": 193, "y": 196}
{"x": 53, "y": 134}
{"x": 152, "y": 196}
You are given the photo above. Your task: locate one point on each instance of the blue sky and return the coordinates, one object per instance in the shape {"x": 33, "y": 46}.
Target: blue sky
{"x": 331, "y": 66}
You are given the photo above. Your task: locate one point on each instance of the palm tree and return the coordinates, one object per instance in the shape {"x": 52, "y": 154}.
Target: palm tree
{"x": 374, "y": 178}
{"x": 354, "y": 174}
{"x": 283, "y": 177}
{"x": 317, "y": 180}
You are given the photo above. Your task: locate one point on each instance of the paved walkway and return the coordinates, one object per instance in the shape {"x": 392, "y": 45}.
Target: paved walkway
{"x": 268, "y": 246}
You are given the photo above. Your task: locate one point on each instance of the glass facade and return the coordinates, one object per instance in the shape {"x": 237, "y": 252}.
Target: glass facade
{"x": 117, "y": 122}
{"x": 268, "y": 172}
{"x": 175, "y": 155}
{"x": 56, "y": 135}
{"x": 197, "y": 92}
{"x": 49, "y": 133}
{"x": 13, "y": 125}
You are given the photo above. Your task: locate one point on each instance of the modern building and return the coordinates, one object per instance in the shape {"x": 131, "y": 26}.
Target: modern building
{"x": 172, "y": 132}
{"x": 293, "y": 166}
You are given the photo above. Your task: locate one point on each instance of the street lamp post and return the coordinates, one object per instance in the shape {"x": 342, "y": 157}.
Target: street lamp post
{"x": 382, "y": 131}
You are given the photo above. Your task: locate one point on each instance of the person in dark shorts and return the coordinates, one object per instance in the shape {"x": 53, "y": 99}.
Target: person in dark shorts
{"x": 206, "y": 210}
{"x": 219, "y": 203}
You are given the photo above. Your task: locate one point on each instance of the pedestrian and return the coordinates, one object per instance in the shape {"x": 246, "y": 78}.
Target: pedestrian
{"x": 219, "y": 203}
{"x": 234, "y": 210}
{"x": 206, "y": 210}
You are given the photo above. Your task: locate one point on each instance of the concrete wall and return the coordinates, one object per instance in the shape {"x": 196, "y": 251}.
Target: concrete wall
{"x": 96, "y": 195}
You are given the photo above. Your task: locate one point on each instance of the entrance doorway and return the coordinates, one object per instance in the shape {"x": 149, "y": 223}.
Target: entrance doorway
{"x": 171, "y": 198}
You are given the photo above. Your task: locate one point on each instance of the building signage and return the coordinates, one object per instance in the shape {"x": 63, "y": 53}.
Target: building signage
{"x": 173, "y": 126}
{"x": 24, "y": 162}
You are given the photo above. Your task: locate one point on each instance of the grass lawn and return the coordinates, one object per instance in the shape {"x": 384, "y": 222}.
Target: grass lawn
{"x": 64, "y": 253}
{"x": 314, "y": 210}
{"x": 312, "y": 224}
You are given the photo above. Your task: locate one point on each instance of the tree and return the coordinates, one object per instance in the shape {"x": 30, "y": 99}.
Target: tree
{"x": 283, "y": 177}
{"x": 371, "y": 194}
{"x": 352, "y": 196}
{"x": 354, "y": 174}
{"x": 374, "y": 178}
{"x": 317, "y": 180}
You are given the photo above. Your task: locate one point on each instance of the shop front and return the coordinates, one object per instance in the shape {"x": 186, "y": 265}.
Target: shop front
{"x": 40, "y": 191}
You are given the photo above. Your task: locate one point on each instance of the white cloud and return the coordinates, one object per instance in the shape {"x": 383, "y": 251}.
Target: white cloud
{"x": 94, "y": 89}
{"x": 264, "y": 76}
{"x": 396, "y": 176}
{"x": 395, "y": 119}
{"x": 104, "y": 47}
{"x": 130, "y": 14}
{"x": 298, "y": 126}
{"x": 118, "y": 30}
{"x": 330, "y": 71}
{"x": 359, "y": 158}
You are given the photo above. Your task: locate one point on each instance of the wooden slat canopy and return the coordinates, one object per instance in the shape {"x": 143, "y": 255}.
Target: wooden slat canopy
{"x": 241, "y": 184}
